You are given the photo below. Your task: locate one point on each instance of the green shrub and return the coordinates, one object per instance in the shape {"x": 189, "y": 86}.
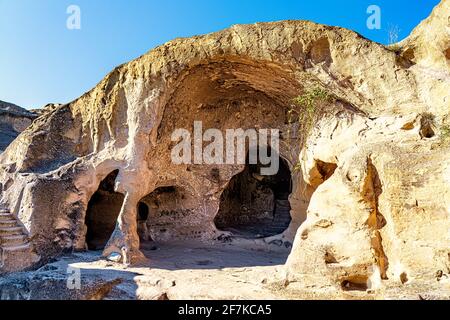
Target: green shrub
{"x": 306, "y": 111}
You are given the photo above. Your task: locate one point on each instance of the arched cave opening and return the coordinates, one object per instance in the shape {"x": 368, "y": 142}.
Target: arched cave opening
{"x": 225, "y": 94}
{"x": 237, "y": 94}
{"x": 256, "y": 206}
{"x": 102, "y": 213}
{"x": 143, "y": 212}
{"x": 163, "y": 212}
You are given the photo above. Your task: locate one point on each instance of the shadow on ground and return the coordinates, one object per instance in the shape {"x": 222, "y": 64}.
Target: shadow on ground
{"x": 178, "y": 256}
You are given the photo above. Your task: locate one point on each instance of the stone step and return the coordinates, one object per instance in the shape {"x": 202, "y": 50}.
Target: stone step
{"x": 16, "y": 240}
{"x": 10, "y": 231}
{"x": 15, "y": 248}
{"x": 8, "y": 223}
{"x": 6, "y": 216}
{"x": 17, "y": 257}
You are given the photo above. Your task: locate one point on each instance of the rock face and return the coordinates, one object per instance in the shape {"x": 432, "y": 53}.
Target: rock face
{"x": 13, "y": 120}
{"x": 370, "y": 182}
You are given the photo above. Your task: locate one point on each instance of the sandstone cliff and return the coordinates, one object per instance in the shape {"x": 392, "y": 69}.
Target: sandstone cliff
{"x": 370, "y": 198}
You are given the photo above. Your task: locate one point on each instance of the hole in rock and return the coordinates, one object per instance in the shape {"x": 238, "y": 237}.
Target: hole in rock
{"x": 102, "y": 213}
{"x": 427, "y": 132}
{"x": 355, "y": 283}
{"x": 330, "y": 258}
{"x": 321, "y": 172}
{"x": 404, "y": 278}
{"x": 409, "y": 54}
{"x": 142, "y": 212}
{"x": 256, "y": 206}
{"x": 406, "y": 58}
{"x": 326, "y": 169}
{"x": 165, "y": 214}
{"x": 142, "y": 217}
{"x": 426, "y": 125}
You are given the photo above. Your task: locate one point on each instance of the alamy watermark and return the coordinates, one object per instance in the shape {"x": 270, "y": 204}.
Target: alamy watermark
{"x": 73, "y": 278}
{"x": 263, "y": 147}
{"x": 374, "y": 20}
{"x": 73, "y": 22}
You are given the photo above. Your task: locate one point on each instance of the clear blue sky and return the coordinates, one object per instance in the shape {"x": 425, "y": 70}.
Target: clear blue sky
{"x": 41, "y": 61}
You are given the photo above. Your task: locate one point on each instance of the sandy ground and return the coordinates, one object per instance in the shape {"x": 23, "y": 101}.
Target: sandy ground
{"x": 186, "y": 270}
{"x": 191, "y": 270}
{"x": 179, "y": 270}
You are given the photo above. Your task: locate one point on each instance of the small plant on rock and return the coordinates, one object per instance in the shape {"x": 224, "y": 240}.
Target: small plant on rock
{"x": 393, "y": 32}
{"x": 306, "y": 111}
{"x": 445, "y": 134}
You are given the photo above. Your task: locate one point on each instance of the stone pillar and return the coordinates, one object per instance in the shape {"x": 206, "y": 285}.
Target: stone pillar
{"x": 125, "y": 239}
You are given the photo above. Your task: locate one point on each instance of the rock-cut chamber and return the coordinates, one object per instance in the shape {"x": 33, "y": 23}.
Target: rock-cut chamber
{"x": 102, "y": 213}
{"x": 256, "y": 206}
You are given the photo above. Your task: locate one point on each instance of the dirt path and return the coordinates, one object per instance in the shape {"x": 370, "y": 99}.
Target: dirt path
{"x": 179, "y": 270}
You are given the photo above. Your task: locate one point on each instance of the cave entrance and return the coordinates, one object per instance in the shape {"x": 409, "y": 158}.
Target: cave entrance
{"x": 254, "y": 206}
{"x": 165, "y": 214}
{"x": 102, "y": 213}
{"x": 143, "y": 212}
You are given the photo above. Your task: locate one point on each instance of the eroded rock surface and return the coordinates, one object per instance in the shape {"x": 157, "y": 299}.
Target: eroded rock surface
{"x": 370, "y": 193}
{"x": 13, "y": 120}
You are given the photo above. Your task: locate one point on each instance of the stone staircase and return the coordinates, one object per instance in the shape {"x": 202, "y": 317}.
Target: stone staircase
{"x": 16, "y": 252}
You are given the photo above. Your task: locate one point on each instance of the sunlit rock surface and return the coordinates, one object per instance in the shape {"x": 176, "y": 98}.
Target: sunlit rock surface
{"x": 369, "y": 194}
